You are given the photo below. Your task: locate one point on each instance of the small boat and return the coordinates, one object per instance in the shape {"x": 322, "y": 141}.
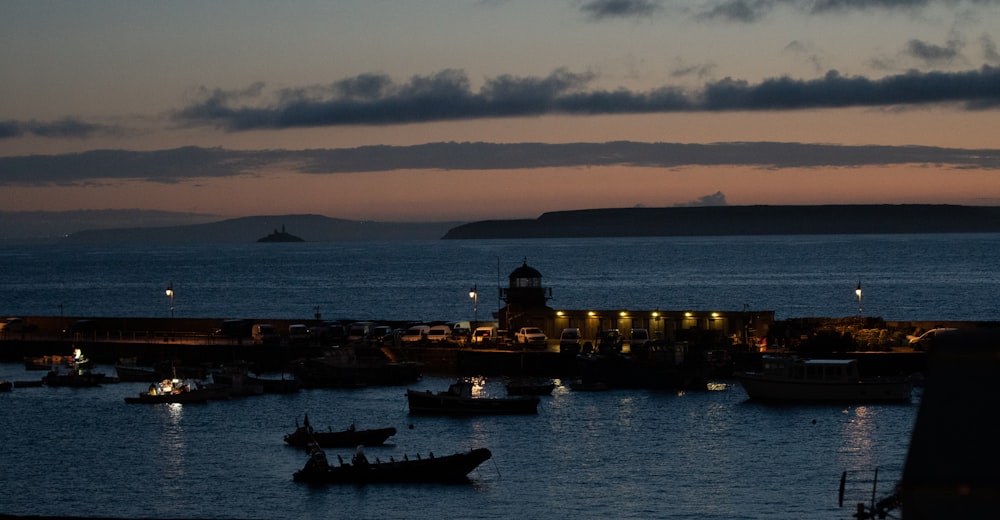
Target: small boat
{"x": 530, "y": 388}
{"x": 458, "y": 400}
{"x": 790, "y": 379}
{"x": 176, "y": 391}
{"x": 6, "y": 386}
{"x": 351, "y": 437}
{"x": 76, "y": 377}
{"x": 448, "y": 469}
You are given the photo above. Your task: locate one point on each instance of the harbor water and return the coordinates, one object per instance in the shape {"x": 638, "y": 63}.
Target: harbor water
{"x": 619, "y": 453}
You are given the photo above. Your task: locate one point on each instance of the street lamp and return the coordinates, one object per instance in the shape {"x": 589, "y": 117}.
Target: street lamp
{"x": 474, "y": 294}
{"x": 858, "y": 293}
{"x": 170, "y": 297}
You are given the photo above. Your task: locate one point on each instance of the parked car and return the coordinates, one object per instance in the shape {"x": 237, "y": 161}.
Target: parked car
{"x": 923, "y": 341}
{"x": 265, "y": 334}
{"x": 609, "y": 340}
{"x": 298, "y": 334}
{"x": 484, "y": 335}
{"x": 381, "y": 335}
{"x": 439, "y": 333}
{"x": 569, "y": 341}
{"x": 531, "y": 336}
{"x": 639, "y": 338}
{"x": 415, "y": 334}
{"x": 11, "y": 325}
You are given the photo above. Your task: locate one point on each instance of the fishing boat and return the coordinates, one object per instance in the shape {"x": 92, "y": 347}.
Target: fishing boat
{"x": 458, "y": 400}
{"x": 304, "y": 435}
{"x": 176, "y": 391}
{"x": 448, "y": 469}
{"x": 790, "y": 378}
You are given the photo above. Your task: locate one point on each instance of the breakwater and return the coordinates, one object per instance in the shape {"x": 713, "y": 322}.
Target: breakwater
{"x": 201, "y": 341}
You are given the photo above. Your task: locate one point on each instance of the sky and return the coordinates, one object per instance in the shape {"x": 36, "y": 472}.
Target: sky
{"x": 488, "y": 109}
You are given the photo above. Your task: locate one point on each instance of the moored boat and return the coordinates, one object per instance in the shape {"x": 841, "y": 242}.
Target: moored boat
{"x": 530, "y": 388}
{"x": 176, "y": 391}
{"x": 458, "y": 400}
{"x": 791, "y": 379}
{"x": 304, "y": 435}
{"x": 448, "y": 469}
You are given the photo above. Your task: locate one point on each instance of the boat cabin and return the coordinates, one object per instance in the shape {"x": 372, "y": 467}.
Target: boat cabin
{"x": 811, "y": 369}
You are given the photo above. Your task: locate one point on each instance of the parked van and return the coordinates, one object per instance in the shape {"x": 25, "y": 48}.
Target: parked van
{"x": 298, "y": 334}
{"x": 484, "y": 335}
{"x": 415, "y": 334}
{"x": 569, "y": 341}
{"x": 439, "y": 333}
{"x": 359, "y": 332}
{"x": 265, "y": 334}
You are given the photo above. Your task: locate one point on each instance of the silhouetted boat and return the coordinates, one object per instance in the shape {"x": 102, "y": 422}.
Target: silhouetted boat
{"x": 351, "y": 437}
{"x": 280, "y": 236}
{"x": 354, "y": 367}
{"x": 529, "y": 388}
{"x": 448, "y": 469}
{"x": 458, "y": 400}
{"x": 6, "y": 386}
{"x": 75, "y": 377}
{"x": 790, "y": 378}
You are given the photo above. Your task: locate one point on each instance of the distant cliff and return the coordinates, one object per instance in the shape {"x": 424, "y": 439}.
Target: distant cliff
{"x": 740, "y": 220}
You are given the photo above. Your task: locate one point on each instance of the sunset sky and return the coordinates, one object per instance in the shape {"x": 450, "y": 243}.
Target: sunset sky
{"x": 454, "y": 110}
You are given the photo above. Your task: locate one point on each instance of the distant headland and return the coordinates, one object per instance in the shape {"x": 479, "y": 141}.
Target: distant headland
{"x": 740, "y": 220}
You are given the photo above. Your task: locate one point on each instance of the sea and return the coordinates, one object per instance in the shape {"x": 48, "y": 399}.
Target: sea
{"x": 613, "y": 454}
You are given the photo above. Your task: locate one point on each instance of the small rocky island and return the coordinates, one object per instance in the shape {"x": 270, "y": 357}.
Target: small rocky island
{"x": 280, "y": 236}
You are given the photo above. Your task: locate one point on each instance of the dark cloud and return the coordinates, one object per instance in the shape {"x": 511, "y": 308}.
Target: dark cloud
{"x": 448, "y": 96}
{"x": 166, "y": 166}
{"x": 932, "y": 54}
{"x": 170, "y": 166}
{"x": 738, "y": 10}
{"x": 63, "y": 128}
{"x": 601, "y": 9}
{"x": 747, "y": 11}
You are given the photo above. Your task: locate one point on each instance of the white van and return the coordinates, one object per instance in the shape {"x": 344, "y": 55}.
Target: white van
{"x": 415, "y": 334}
{"x": 484, "y": 335}
{"x": 439, "y": 333}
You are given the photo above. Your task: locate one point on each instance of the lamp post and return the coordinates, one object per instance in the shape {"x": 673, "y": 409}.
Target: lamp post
{"x": 858, "y": 293}
{"x": 170, "y": 297}
{"x": 474, "y": 294}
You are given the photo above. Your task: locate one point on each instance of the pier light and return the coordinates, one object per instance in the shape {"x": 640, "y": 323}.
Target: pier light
{"x": 857, "y": 292}
{"x": 623, "y": 314}
{"x": 474, "y": 294}
{"x": 687, "y": 314}
{"x": 560, "y": 313}
{"x": 591, "y": 314}
{"x": 715, "y": 315}
{"x": 170, "y": 297}
{"x": 656, "y": 314}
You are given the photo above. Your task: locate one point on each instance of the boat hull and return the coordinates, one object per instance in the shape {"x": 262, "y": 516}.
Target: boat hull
{"x": 429, "y": 403}
{"x": 301, "y": 437}
{"x": 760, "y": 388}
{"x": 449, "y": 469}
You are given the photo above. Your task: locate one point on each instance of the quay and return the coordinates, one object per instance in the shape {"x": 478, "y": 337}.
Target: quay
{"x": 740, "y": 336}
{"x": 881, "y": 346}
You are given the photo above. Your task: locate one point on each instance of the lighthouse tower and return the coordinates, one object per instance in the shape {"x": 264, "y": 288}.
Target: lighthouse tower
{"x": 526, "y": 299}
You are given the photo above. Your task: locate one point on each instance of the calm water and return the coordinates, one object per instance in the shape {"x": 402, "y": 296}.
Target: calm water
{"x": 585, "y": 455}
{"x": 619, "y": 454}
{"x": 904, "y": 277}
